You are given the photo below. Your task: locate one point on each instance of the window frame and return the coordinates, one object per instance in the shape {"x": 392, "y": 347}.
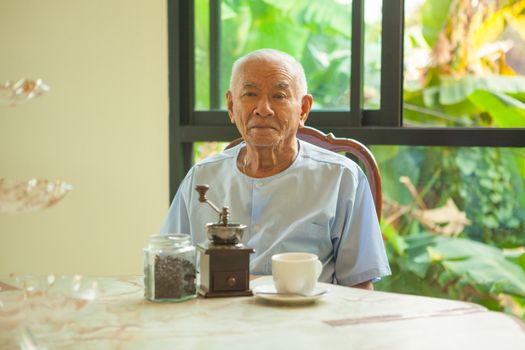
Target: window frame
{"x": 383, "y": 126}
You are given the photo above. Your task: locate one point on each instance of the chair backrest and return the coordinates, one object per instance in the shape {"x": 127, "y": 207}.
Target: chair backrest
{"x": 349, "y": 146}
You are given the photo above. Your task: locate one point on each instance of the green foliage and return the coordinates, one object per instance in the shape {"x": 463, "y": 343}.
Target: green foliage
{"x": 316, "y": 32}
{"x": 493, "y": 204}
{"x": 397, "y": 162}
{"x": 434, "y": 15}
{"x": 395, "y": 241}
{"x": 486, "y": 183}
{"x": 469, "y": 101}
{"x": 452, "y": 91}
{"x": 202, "y": 61}
{"x": 506, "y": 111}
{"x": 453, "y": 267}
{"x": 203, "y": 150}
{"x": 465, "y": 79}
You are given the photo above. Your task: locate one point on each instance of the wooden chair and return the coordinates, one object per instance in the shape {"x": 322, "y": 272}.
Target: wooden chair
{"x": 348, "y": 146}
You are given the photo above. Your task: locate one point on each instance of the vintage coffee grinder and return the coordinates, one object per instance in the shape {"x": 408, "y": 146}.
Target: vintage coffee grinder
{"x": 224, "y": 260}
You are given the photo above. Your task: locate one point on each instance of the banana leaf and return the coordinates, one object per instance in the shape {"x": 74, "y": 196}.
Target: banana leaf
{"x": 434, "y": 15}
{"x": 452, "y": 91}
{"x": 465, "y": 262}
{"x": 506, "y": 111}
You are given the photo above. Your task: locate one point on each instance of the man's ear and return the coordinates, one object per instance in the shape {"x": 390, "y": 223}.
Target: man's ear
{"x": 306, "y": 106}
{"x": 229, "y": 103}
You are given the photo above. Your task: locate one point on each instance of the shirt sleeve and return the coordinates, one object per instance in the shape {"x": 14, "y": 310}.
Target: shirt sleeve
{"x": 177, "y": 219}
{"x": 360, "y": 254}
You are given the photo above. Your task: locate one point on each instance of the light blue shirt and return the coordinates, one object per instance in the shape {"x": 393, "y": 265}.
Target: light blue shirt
{"x": 321, "y": 204}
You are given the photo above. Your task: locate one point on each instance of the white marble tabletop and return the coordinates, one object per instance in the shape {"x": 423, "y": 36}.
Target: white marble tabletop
{"x": 118, "y": 317}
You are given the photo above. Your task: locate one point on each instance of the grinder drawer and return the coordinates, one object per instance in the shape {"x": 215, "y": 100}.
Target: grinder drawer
{"x": 230, "y": 280}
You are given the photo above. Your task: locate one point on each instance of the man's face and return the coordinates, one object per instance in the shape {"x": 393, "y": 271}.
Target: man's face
{"x": 265, "y": 104}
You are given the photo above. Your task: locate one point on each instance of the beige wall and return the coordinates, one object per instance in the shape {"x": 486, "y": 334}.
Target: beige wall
{"x": 102, "y": 127}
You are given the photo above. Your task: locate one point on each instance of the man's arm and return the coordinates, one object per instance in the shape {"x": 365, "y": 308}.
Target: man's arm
{"x": 361, "y": 254}
{"x": 364, "y": 285}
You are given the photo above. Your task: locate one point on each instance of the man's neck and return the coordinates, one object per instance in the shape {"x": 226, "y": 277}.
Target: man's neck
{"x": 262, "y": 162}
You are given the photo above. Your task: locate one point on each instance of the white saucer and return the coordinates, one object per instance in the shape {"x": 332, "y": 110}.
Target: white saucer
{"x": 260, "y": 293}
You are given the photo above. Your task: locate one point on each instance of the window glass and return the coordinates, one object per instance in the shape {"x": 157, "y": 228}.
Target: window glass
{"x": 317, "y": 32}
{"x": 464, "y": 63}
{"x": 372, "y": 54}
{"x": 203, "y": 149}
{"x": 454, "y": 223}
{"x": 202, "y": 54}
{"x": 485, "y": 184}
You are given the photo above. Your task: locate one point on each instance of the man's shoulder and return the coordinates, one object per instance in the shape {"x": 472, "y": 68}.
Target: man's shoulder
{"x": 321, "y": 155}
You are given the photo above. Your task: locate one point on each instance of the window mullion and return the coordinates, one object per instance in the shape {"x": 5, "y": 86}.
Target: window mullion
{"x": 215, "y": 54}
{"x": 391, "y": 64}
{"x": 356, "y": 80}
{"x": 187, "y": 61}
{"x": 181, "y": 86}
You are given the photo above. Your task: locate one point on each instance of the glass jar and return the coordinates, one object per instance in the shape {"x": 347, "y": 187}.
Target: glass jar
{"x": 169, "y": 268}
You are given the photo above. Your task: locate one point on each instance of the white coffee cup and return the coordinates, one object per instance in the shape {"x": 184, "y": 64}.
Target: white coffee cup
{"x": 295, "y": 272}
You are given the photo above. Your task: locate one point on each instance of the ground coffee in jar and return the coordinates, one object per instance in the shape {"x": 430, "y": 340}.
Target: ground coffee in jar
{"x": 169, "y": 268}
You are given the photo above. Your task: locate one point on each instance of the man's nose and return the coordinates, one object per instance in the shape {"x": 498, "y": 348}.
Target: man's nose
{"x": 264, "y": 108}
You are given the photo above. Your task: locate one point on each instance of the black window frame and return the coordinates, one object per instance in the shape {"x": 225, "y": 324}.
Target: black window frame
{"x": 372, "y": 127}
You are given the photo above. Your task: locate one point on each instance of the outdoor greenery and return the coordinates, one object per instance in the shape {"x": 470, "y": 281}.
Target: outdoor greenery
{"x": 461, "y": 70}
{"x": 454, "y": 217}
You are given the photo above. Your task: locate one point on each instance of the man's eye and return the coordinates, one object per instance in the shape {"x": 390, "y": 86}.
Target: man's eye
{"x": 280, "y": 96}
{"x": 249, "y": 94}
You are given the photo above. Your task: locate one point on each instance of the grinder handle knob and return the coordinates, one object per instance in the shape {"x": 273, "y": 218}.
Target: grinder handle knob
{"x": 202, "y": 189}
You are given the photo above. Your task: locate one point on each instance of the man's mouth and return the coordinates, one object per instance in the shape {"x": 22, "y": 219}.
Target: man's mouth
{"x": 262, "y": 127}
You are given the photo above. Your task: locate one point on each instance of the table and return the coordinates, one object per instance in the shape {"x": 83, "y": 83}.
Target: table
{"x": 344, "y": 318}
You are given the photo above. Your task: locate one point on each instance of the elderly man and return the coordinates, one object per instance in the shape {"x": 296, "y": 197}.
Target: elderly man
{"x": 292, "y": 195}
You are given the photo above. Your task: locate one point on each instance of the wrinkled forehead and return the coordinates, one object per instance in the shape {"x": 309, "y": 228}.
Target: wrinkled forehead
{"x": 257, "y": 72}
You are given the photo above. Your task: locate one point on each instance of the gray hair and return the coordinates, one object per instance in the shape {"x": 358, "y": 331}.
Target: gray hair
{"x": 273, "y": 55}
